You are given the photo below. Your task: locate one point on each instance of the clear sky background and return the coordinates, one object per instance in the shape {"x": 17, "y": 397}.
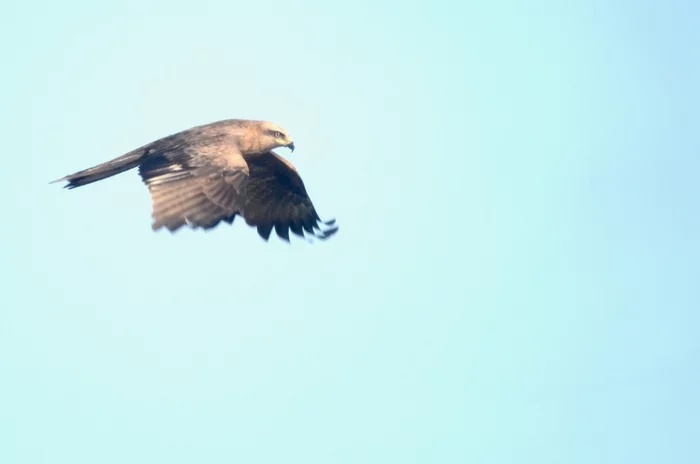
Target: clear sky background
{"x": 515, "y": 279}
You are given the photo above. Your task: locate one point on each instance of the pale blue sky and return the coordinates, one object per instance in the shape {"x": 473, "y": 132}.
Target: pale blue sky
{"x": 515, "y": 276}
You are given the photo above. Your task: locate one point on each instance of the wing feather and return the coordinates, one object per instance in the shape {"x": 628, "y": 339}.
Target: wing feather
{"x": 277, "y": 198}
{"x": 197, "y": 196}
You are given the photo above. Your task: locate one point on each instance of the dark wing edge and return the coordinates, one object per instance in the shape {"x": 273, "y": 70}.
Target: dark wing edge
{"x": 276, "y": 198}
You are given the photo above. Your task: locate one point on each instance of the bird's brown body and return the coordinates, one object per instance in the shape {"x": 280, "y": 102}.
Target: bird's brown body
{"x": 211, "y": 173}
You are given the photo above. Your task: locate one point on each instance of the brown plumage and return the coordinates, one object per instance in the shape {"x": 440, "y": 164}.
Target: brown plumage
{"x": 211, "y": 173}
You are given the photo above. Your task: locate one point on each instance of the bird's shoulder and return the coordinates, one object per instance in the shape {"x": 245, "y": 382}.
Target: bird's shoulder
{"x": 213, "y": 144}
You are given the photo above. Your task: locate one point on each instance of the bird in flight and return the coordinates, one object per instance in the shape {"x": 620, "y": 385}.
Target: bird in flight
{"x": 211, "y": 173}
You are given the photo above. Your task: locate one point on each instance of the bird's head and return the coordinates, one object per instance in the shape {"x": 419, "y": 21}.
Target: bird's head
{"x": 274, "y": 136}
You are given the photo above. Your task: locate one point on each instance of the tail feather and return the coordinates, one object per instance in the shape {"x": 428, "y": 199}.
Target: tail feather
{"x": 103, "y": 171}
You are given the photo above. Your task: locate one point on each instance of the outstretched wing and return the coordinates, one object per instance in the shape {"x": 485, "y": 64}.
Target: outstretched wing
{"x": 195, "y": 184}
{"x": 276, "y": 198}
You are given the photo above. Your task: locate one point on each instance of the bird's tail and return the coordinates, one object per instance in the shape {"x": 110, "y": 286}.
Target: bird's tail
{"x": 104, "y": 170}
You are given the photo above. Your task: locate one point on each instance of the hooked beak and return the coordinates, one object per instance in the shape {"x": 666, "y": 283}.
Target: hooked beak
{"x": 290, "y": 145}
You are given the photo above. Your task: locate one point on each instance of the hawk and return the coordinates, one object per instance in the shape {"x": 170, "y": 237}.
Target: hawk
{"x": 202, "y": 176}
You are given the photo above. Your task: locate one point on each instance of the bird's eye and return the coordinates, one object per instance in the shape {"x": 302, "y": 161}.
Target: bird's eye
{"x": 278, "y": 135}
